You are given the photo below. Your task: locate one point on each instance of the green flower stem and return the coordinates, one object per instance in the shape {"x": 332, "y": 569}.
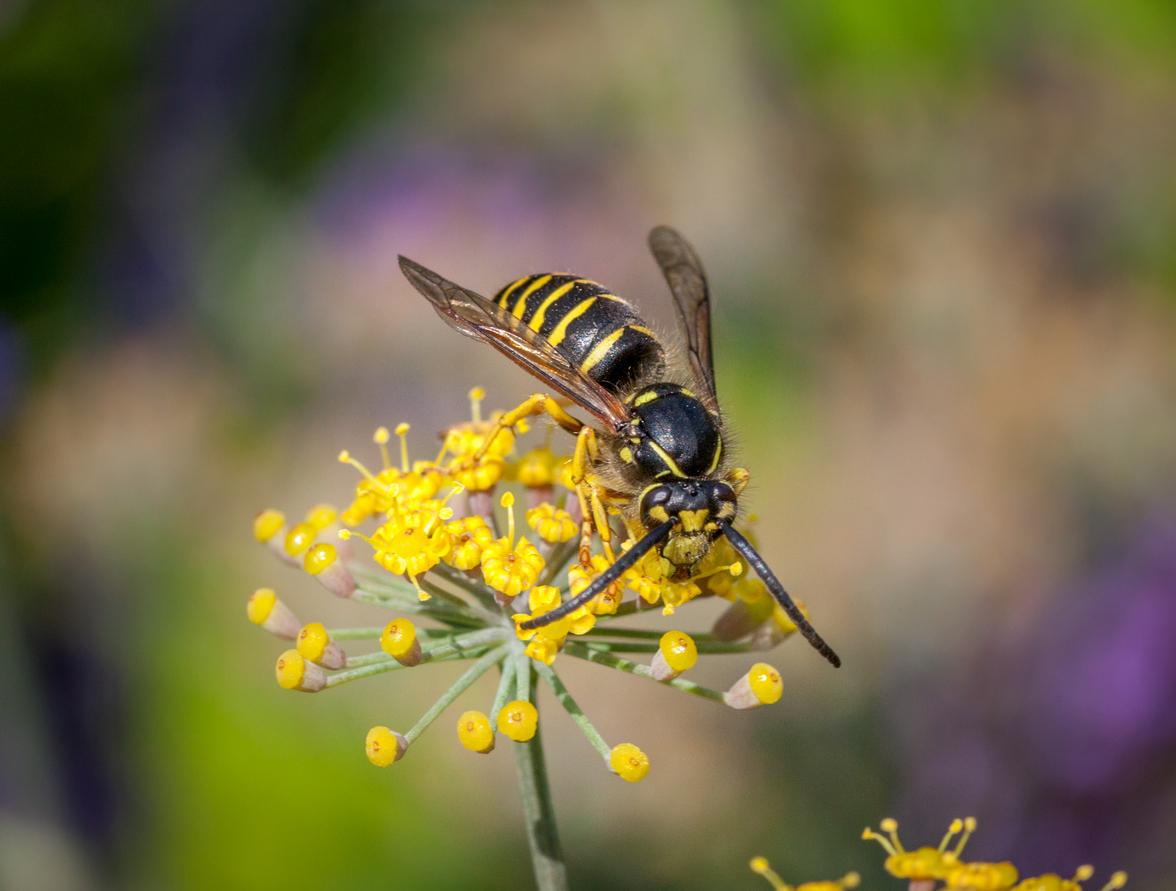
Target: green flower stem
{"x": 463, "y": 683}
{"x": 523, "y": 674}
{"x": 577, "y": 714}
{"x": 506, "y": 686}
{"x": 355, "y": 633}
{"x": 640, "y": 633}
{"x": 389, "y": 664}
{"x": 467, "y": 584}
{"x": 374, "y": 632}
{"x": 457, "y": 645}
{"x": 628, "y": 608}
{"x": 539, "y": 812}
{"x": 430, "y": 585}
{"x": 699, "y": 637}
{"x": 438, "y": 611}
{"x": 705, "y": 647}
{"x": 591, "y": 653}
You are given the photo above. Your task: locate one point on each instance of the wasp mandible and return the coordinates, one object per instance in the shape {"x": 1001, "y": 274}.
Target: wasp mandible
{"x": 658, "y": 455}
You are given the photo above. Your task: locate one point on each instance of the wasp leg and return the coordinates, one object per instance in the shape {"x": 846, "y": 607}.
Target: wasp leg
{"x": 592, "y": 510}
{"x": 537, "y": 404}
{"x": 739, "y": 477}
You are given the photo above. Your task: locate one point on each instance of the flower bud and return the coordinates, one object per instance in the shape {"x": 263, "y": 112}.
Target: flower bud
{"x": 322, "y": 561}
{"x": 384, "y": 747}
{"x": 760, "y": 686}
{"x": 269, "y": 528}
{"x": 399, "y": 640}
{"x": 316, "y": 645}
{"x": 296, "y": 673}
{"x": 321, "y": 516}
{"x": 298, "y": 539}
{"x": 475, "y": 733}
{"x": 676, "y": 653}
{"x": 518, "y": 720}
{"x": 739, "y": 620}
{"x": 266, "y": 610}
{"x": 628, "y": 762}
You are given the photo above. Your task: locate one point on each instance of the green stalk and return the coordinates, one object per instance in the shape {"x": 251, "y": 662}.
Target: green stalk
{"x": 463, "y": 683}
{"x": 573, "y": 709}
{"x": 506, "y": 686}
{"x": 538, "y": 810}
{"x": 600, "y": 657}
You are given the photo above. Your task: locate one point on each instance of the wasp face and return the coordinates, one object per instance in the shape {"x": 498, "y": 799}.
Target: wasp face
{"x": 698, "y": 508}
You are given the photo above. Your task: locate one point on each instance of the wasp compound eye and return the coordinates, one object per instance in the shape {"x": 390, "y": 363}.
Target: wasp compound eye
{"x": 654, "y": 505}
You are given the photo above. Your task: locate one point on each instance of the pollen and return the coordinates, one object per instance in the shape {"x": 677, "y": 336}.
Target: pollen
{"x": 518, "y": 720}
{"x": 384, "y": 747}
{"x": 628, "y": 762}
{"x": 475, "y": 733}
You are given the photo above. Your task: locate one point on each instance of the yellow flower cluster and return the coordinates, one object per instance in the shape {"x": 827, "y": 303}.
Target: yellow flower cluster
{"x": 945, "y": 864}
{"x": 943, "y": 868}
{"x": 445, "y": 552}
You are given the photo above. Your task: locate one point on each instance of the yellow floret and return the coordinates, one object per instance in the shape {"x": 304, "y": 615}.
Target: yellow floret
{"x": 319, "y": 557}
{"x": 518, "y": 720}
{"x": 260, "y": 605}
{"x": 765, "y": 683}
{"x": 398, "y": 637}
{"x": 474, "y": 731}
{"x": 679, "y": 650}
{"x": 628, "y": 762}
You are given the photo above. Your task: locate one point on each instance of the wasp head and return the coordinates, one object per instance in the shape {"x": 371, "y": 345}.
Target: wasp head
{"x": 699, "y": 509}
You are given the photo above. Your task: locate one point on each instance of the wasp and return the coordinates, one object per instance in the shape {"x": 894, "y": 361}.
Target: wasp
{"x": 657, "y": 453}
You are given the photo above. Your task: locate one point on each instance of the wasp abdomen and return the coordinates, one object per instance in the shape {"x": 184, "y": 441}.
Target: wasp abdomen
{"x": 599, "y": 332}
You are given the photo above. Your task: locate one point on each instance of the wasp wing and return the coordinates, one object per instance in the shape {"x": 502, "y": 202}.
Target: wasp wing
{"x": 475, "y": 316}
{"x": 683, "y": 272}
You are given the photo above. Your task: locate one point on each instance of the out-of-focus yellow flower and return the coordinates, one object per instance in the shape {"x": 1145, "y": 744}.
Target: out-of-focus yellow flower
{"x": 552, "y": 524}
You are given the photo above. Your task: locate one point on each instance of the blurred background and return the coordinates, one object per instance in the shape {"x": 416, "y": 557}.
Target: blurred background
{"x": 940, "y": 243}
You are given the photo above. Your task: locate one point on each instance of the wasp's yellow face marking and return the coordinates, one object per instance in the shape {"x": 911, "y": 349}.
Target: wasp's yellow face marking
{"x": 693, "y": 520}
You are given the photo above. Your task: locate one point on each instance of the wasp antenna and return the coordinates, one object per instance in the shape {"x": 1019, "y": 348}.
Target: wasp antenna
{"x": 744, "y": 547}
{"x": 602, "y": 581}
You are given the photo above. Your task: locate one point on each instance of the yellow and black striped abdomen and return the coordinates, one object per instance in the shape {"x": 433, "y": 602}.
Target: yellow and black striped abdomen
{"x": 598, "y": 332}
